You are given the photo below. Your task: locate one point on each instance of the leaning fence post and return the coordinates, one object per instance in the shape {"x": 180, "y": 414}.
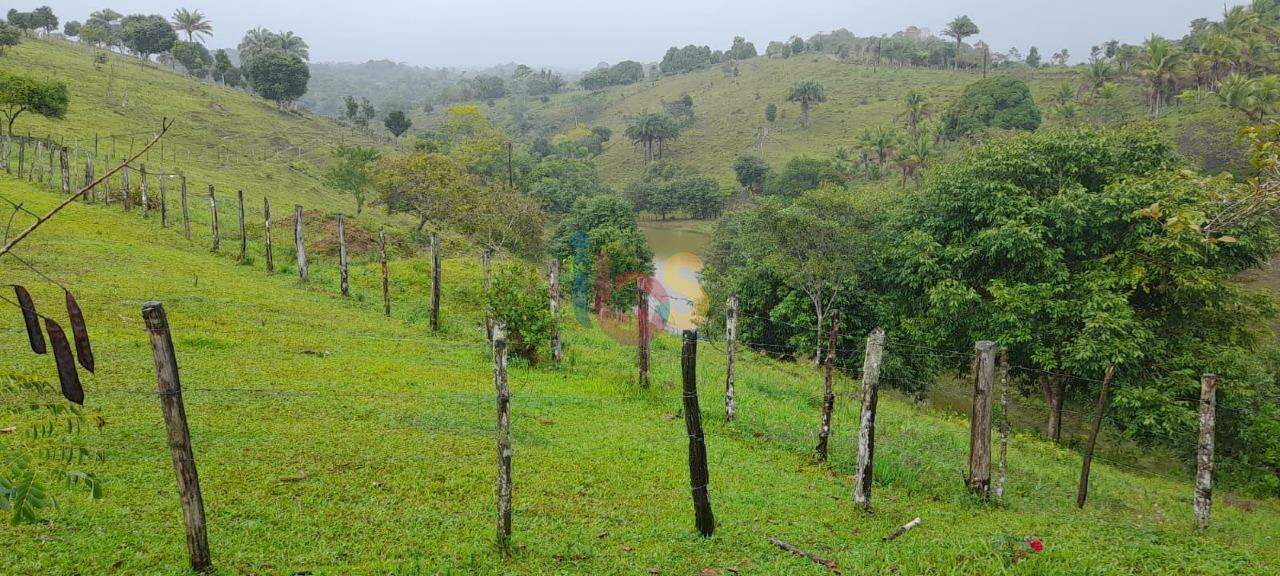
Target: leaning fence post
{"x": 244, "y": 238}
{"x": 698, "y": 475}
{"x": 146, "y": 202}
{"x": 213, "y": 222}
{"x": 504, "y": 434}
{"x": 435, "y": 281}
{"x": 1004, "y": 421}
{"x": 642, "y": 331}
{"x": 1204, "y": 452}
{"x": 266, "y": 231}
{"x": 299, "y": 248}
{"x": 554, "y": 297}
{"x": 1083, "y": 491}
{"x": 731, "y": 343}
{"x": 186, "y": 215}
{"x": 342, "y": 255}
{"x": 862, "y": 475}
{"x": 979, "y": 480}
{"x": 828, "y": 392}
{"x": 175, "y": 421}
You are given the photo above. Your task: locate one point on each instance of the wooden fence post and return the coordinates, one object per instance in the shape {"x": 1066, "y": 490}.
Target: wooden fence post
{"x": 486, "y": 257}
{"x": 435, "y": 281}
{"x": 1004, "y": 421}
{"x": 146, "y": 201}
{"x": 504, "y": 435}
{"x": 731, "y": 344}
{"x": 342, "y": 256}
{"x": 554, "y": 302}
{"x": 128, "y": 190}
{"x": 164, "y": 201}
{"x": 382, "y": 257}
{"x": 266, "y": 231}
{"x": 642, "y": 331}
{"x": 106, "y": 183}
{"x": 862, "y": 474}
{"x": 175, "y": 421}
{"x": 186, "y": 214}
{"x": 213, "y": 222}
{"x": 299, "y": 248}
{"x": 244, "y": 238}
{"x": 1204, "y": 452}
{"x": 89, "y": 178}
{"x": 979, "y": 480}
{"x": 828, "y": 391}
{"x": 698, "y": 475}
{"x": 66, "y": 170}
{"x": 1083, "y": 491}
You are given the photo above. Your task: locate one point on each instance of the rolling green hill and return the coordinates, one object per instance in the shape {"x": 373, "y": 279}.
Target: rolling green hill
{"x": 331, "y": 440}
{"x": 730, "y": 110}
{"x": 221, "y": 136}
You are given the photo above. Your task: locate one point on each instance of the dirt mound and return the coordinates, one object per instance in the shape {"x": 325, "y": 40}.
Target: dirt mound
{"x": 359, "y": 240}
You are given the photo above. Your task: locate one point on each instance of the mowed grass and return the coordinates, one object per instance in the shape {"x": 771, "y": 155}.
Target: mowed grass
{"x": 332, "y": 440}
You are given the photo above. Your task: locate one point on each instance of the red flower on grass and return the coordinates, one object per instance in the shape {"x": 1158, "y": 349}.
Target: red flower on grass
{"x": 1036, "y": 545}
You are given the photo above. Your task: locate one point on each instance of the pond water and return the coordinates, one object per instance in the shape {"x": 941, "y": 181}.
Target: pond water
{"x": 678, "y": 250}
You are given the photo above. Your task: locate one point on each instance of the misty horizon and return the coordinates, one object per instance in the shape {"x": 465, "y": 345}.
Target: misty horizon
{"x": 571, "y": 35}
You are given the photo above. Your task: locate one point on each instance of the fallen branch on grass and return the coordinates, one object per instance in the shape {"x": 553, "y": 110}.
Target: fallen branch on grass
{"x": 902, "y": 530}
{"x": 830, "y": 564}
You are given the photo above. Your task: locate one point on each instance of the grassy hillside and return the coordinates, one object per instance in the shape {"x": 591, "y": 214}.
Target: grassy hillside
{"x": 730, "y": 111}
{"x": 333, "y": 441}
{"x": 221, "y": 136}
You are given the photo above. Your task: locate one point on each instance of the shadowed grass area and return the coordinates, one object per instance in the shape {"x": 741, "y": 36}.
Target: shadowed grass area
{"x": 332, "y": 440}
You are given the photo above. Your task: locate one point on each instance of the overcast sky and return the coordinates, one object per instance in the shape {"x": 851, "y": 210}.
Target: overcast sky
{"x": 579, "y": 33}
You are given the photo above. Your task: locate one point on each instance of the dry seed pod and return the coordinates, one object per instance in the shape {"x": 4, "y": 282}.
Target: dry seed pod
{"x": 84, "y": 352}
{"x": 29, "y": 317}
{"x": 67, "y": 374}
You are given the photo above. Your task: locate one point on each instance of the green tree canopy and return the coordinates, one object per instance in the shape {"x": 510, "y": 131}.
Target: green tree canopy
{"x": 428, "y": 186}
{"x": 558, "y": 182}
{"x": 1002, "y": 102}
{"x": 20, "y": 93}
{"x": 751, "y": 172}
{"x": 193, "y": 56}
{"x": 278, "y": 75}
{"x": 397, "y": 122}
{"x": 352, "y": 171}
{"x": 147, "y": 35}
{"x": 1076, "y": 250}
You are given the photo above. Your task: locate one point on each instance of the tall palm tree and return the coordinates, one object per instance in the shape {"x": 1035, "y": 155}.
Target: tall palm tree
{"x": 960, "y": 28}
{"x": 652, "y": 131}
{"x": 1161, "y": 64}
{"x": 293, "y": 44}
{"x": 193, "y": 23}
{"x": 807, "y": 93}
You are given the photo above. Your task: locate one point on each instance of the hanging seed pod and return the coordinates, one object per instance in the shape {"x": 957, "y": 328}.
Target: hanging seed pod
{"x": 29, "y": 317}
{"x": 67, "y": 374}
{"x": 84, "y": 352}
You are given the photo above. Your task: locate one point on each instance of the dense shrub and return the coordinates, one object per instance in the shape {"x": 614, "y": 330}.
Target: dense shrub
{"x": 999, "y": 102}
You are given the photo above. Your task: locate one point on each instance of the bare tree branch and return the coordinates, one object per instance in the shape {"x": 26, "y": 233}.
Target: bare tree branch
{"x": 164, "y": 127}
